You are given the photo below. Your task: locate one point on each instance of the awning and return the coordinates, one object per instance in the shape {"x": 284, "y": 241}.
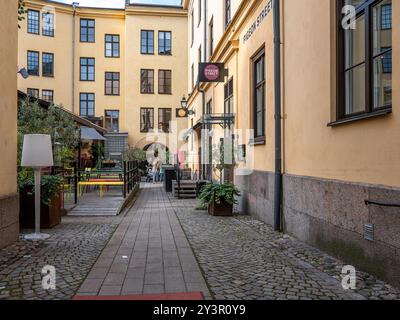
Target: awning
{"x": 91, "y": 134}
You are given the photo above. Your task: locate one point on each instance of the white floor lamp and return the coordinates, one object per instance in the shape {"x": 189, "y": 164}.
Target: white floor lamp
{"x": 37, "y": 153}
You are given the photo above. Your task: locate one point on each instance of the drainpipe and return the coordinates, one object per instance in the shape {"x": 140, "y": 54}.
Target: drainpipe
{"x": 278, "y": 117}
{"x": 203, "y": 94}
{"x": 74, "y": 5}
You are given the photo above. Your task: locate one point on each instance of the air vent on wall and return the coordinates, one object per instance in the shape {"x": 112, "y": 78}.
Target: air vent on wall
{"x": 369, "y": 232}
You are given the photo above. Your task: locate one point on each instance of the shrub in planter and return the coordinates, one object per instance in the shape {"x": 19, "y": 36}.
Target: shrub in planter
{"x": 50, "y": 211}
{"x": 219, "y": 198}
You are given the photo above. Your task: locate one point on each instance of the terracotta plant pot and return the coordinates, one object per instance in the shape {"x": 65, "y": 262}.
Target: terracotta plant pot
{"x": 50, "y": 216}
{"x": 222, "y": 209}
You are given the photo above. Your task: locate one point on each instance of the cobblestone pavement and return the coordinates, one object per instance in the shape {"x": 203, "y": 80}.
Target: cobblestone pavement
{"x": 72, "y": 249}
{"x": 243, "y": 258}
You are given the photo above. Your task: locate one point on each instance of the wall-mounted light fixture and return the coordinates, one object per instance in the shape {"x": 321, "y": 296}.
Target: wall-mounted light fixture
{"x": 24, "y": 73}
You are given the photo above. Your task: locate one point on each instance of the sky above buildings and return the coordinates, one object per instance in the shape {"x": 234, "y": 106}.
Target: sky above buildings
{"x": 118, "y": 3}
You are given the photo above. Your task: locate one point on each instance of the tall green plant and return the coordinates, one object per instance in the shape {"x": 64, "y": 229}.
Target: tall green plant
{"x": 34, "y": 119}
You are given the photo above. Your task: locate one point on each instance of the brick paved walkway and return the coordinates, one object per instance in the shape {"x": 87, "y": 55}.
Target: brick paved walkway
{"x": 148, "y": 254}
{"x": 163, "y": 245}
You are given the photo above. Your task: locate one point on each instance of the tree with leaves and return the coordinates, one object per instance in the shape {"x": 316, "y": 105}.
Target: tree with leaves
{"x": 21, "y": 11}
{"x": 34, "y": 119}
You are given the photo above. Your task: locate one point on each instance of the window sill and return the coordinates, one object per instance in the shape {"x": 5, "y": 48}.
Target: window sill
{"x": 259, "y": 141}
{"x": 375, "y": 114}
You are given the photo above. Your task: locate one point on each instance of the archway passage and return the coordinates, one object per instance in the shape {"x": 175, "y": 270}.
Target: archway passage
{"x": 157, "y": 150}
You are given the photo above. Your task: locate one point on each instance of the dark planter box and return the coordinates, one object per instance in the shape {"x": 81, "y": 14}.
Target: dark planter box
{"x": 109, "y": 165}
{"x": 223, "y": 209}
{"x": 49, "y": 216}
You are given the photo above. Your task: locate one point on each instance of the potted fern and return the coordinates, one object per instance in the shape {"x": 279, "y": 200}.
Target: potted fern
{"x": 219, "y": 198}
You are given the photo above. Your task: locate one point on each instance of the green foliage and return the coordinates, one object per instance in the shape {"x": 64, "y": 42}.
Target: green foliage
{"x": 51, "y": 186}
{"x": 97, "y": 152}
{"x": 21, "y": 11}
{"x": 33, "y": 119}
{"x": 219, "y": 192}
{"x": 140, "y": 157}
{"x": 135, "y": 154}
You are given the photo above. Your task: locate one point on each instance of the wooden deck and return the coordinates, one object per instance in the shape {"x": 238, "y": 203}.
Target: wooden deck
{"x": 91, "y": 204}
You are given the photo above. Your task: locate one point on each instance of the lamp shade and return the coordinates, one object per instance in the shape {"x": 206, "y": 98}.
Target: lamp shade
{"x": 37, "y": 151}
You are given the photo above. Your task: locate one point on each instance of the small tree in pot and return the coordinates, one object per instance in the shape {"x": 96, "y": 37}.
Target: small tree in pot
{"x": 219, "y": 198}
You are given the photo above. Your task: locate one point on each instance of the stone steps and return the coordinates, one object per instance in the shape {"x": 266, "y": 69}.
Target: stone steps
{"x": 187, "y": 190}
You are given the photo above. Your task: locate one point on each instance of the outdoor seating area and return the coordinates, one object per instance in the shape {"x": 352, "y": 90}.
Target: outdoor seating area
{"x": 101, "y": 180}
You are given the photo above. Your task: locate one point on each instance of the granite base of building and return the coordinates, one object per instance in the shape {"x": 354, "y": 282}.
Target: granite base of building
{"x": 333, "y": 216}
{"x": 9, "y": 220}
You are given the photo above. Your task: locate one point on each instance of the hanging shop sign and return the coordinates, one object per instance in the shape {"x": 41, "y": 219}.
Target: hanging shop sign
{"x": 182, "y": 113}
{"x": 259, "y": 20}
{"x": 212, "y": 72}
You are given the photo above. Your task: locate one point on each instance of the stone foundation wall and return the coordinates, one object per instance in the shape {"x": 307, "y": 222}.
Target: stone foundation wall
{"x": 9, "y": 220}
{"x": 331, "y": 215}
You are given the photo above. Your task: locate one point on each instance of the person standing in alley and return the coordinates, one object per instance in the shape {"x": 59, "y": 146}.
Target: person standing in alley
{"x": 156, "y": 169}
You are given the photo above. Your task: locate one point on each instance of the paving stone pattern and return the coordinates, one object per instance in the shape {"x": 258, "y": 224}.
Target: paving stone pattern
{"x": 163, "y": 245}
{"x": 243, "y": 258}
{"x": 148, "y": 254}
{"x": 72, "y": 249}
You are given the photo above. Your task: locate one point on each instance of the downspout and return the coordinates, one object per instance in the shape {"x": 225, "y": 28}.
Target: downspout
{"x": 74, "y": 5}
{"x": 203, "y": 94}
{"x": 278, "y": 119}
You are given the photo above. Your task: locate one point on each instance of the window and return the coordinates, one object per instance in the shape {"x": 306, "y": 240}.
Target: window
{"x": 228, "y": 97}
{"x": 34, "y": 93}
{"x": 192, "y": 26}
{"x": 47, "y": 64}
{"x": 199, "y": 11}
{"x": 164, "y": 43}
{"x": 192, "y": 75}
{"x": 164, "y": 119}
{"x": 386, "y": 17}
{"x": 87, "y": 30}
{"x": 87, "y": 69}
{"x": 164, "y": 81}
{"x": 112, "y": 120}
{"x": 48, "y": 24}
{"x": 112, "y": 84}
{"x": 211, "y": 31}
{"x": 209, "y": 107}
{"x": 48, "y": 95}
{"x": 209, "y": 111}
{"x": 258, "y": 85}
{"x": 33, "y": 21}
{"x": 365, "y": 61}
{"x": 112, "y": 46}
{"x": 86, "y": 104}
{"x": 147, "y": 81}
{"x": 228, "y": 12}
{"x": 387, "y": 61}
{"x": 33, "y": 63}
{"x": 199, "y": 59}
{"x": 146, "y": 119}
{"x": 147, "y": 42}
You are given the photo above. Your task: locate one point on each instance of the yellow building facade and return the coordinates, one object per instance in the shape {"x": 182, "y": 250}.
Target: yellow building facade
{"x": 340, "y": 142}
{"x": 9, "y": 200}
{"x": 120, "y": 68}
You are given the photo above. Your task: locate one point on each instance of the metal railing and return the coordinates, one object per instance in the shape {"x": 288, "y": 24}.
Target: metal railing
{"x": 131, "y": 176}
